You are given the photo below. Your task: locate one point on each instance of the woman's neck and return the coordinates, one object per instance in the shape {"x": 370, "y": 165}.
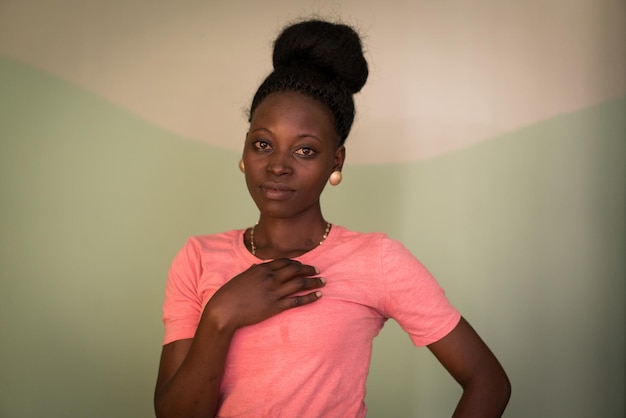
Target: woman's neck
{"x": 286, "y": 238}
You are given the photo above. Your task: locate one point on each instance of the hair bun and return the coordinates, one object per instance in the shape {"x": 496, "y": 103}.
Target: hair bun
{"x": 332, "y": 48}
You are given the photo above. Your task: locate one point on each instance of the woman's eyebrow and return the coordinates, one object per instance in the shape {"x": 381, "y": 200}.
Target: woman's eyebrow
{"x": 317, "y": 138}
{"x": 300, "y": 136}
{"x": 259, "y": 129}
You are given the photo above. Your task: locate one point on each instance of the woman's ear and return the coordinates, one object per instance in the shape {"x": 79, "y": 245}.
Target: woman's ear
{"x": 340, "y": 157}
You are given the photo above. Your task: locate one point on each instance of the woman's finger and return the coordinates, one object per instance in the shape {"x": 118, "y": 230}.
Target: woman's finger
{"x": 297, "y": 301}
{"x": 285, "y": 269}
{"x": 299, "y": 284}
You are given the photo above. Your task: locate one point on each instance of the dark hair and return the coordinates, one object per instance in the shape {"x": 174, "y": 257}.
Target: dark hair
{"x": 322, "y": 60}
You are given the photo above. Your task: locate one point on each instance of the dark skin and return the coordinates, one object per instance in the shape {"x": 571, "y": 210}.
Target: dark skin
{"x": 289, "y": 153}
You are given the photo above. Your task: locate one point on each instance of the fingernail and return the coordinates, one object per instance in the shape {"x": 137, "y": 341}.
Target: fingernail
{"x": 323, "y": 280}
{"x": 318, "y": 294}
{"x": 317, "y": 271}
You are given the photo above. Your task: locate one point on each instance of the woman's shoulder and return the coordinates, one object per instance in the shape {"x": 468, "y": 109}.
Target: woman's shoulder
{"x": 343, "y": 234}
{"x": 217, "y": 236}
{"x": 370, "y": 243}
{"x": 214, "y": 241}
{"x": 356, "y": 240}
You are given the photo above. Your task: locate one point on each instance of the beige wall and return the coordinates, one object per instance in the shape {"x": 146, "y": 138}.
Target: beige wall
{"x": 444, "y": 75}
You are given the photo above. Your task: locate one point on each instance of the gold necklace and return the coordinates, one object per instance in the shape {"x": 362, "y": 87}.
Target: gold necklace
{"x": 253, "y": 247}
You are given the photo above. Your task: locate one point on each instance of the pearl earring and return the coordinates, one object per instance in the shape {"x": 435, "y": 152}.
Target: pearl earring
{"x": 335, "y": 178}
{"x": 242, "y": 166}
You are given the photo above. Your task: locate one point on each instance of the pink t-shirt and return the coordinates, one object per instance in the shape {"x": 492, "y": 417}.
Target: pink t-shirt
{"x": 310, "y": 361}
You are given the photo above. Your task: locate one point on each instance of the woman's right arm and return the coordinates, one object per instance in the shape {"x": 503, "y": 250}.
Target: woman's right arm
{"x": 190, "y": 373}
{"x": 191, "y": 370}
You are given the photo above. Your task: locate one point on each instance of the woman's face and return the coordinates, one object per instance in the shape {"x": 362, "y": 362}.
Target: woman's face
{"x": 290, "y": 151}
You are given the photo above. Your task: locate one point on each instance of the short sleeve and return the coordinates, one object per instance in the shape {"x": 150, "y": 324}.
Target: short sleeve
{"x": 413, "y": 297}
{"x": 182, "y": 307}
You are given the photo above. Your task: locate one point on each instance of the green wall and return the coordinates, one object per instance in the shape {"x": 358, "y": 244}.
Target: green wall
{"x": 527, "y": 233}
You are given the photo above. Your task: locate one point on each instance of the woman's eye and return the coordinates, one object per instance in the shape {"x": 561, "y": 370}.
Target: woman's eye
{"x": 261, "y": 145}
{"x": 305, "y": 152}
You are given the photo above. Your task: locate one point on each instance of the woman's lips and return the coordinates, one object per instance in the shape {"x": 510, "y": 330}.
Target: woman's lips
{"x": 276, "y": 191}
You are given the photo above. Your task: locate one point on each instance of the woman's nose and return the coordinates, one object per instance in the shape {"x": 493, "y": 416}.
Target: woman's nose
{"x": 279, "y": 163}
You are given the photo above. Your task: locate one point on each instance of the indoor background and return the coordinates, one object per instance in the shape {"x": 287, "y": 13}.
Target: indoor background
{"x": 490, "y": 139}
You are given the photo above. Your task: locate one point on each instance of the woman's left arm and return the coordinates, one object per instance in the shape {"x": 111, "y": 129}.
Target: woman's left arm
{"x": 486, "y": 388}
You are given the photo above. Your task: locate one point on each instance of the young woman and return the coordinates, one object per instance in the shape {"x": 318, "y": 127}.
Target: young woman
{"x": 277, "y": 320}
